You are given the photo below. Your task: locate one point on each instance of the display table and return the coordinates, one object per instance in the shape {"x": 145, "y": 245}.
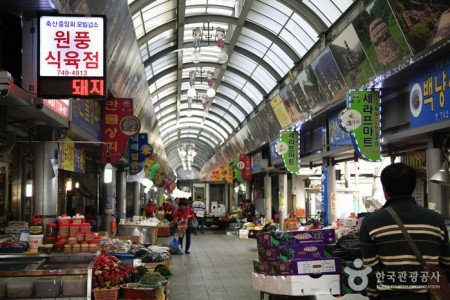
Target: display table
{"x": 54, "y": 275}
{"x": 148, "y": 234}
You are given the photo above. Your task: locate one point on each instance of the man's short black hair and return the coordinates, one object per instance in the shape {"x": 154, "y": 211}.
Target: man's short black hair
{"x": 398, "y": 179}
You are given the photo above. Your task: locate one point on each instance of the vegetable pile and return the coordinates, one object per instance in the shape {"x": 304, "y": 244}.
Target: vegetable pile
{"x": 110, "y": 272}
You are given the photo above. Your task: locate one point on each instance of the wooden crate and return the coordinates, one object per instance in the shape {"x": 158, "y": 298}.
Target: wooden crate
{"x": 163, "y": 231}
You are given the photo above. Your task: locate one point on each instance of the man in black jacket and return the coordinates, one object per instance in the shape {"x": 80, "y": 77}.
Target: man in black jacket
{"x": 396, "y": 273}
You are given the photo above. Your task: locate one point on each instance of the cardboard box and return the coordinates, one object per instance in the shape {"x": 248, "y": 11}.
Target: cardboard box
{"x": 262, "y": 267}
{"x": 135, "y": 239}
{"x": 349, "y": 222}
{"x": 163, "y": 231}
{"x": 290, "y": 238}
{"x": 103, "y": 233}
{"x": 153, "y": 265}
{"x": 283, "y": 253}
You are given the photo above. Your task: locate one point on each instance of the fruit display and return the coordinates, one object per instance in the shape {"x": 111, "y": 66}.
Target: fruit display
{"x": 109, "y": 272}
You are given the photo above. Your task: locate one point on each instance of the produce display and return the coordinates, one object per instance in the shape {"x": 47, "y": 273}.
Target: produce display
{"x": 151, "y": 279}
{"x": 109, "y": 272}
{"x": 163, "y": 270}
{"x": 150, "y": 254}
{"x": 115, "y": 245}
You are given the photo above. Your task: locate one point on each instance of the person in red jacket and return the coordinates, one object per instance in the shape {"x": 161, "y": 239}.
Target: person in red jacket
{"x": 150, "y": 209}
{"x": 181, "y": 218}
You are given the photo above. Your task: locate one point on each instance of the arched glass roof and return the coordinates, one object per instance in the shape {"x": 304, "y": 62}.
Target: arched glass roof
{"x": 263, "y": 41}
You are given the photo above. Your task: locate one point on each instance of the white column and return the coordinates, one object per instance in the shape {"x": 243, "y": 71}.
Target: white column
{"x": 268, "y": 196}
{"x": 434, "y": 160}
{"x": 282, "y": 197}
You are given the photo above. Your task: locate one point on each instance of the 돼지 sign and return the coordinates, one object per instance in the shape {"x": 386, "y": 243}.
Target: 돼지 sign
{"x": 362, "y": 119}
{"x": 71, "y": 57}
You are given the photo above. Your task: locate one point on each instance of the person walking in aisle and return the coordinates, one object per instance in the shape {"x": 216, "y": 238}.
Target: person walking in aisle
{"x": 198, "y": 206}
{"x": 384, "y": 247}
{"x": 150, "y": 209}
{"x": 181, "y": 218}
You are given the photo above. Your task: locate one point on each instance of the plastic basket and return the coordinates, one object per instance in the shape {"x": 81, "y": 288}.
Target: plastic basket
{"x": 142, "y": 293}
{"x": 111, "y": 294}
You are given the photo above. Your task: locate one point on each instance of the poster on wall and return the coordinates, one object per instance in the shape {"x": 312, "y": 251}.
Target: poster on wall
{"x": 310, "y": 86}
{"x": 424, "y": 23}
{"x": 362, "y": 119}
{"x": 140, "y": 150}
{"x": 290, "y": 103}
{"x": 381, "y": 37}
{"x": 280, "y": 111}
{"x": 429, "y": 93}
{"x": 350, "y": 57}
{"x": 329, "y": 77}
{"x": 72, "y": 56}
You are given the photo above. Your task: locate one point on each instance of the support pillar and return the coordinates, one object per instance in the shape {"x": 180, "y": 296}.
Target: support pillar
{"x": 136, "y": 199}
{"x": 268, "y": 196}
{"x": 45, "y": 182}
{"x": 282, "y": 198}
{"x": 122, "y": 194}
{"x": 434, "y": 159}
{"x": 109, "y": 203}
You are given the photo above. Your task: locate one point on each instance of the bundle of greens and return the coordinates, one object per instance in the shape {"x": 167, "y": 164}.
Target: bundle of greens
{"x": 151, "y": 279}
{"x": 163, "y": 270}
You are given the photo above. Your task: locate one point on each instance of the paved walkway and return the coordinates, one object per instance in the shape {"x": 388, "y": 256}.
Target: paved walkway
{"x": 218, "y": 267}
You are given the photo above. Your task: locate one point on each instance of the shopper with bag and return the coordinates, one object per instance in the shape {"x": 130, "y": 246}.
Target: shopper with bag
{"x": 398, "y": 270}
{"x": 198, "y": 206}
{"x": 181, "y": 217}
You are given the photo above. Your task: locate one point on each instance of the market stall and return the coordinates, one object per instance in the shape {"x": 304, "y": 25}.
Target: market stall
{"x": 148, "y": 234}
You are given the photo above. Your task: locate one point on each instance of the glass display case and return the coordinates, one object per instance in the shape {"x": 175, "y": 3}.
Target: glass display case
{"x": 56, "y": 275}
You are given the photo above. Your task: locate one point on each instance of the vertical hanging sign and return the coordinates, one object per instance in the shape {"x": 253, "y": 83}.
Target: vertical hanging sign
{"x": 246, "y": 167}
{"x": 289, "y": 148}
{"x": 362, "y": 119}
{"x": 118, "y": 125}
{"x": 140, "y": 150}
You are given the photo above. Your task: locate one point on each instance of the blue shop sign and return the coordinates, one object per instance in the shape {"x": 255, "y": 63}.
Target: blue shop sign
{"x": 275, "y": 158}
{"x": 429, "y": 94}
{"x": 336, "y": 135}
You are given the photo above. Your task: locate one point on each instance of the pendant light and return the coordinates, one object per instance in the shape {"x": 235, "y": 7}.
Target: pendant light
{"x": 29, "y": 186}
{"x": 108, "y": 170}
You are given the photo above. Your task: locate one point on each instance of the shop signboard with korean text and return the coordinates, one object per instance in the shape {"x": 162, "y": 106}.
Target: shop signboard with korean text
{"x": 246, "y": 169}
{"x": 429, "y": 94}
{"x": 72, "y": 56}
{"x": 140, "y": 150}
{"x": 289, "y": 148}
{"x": 336, "y": 135}
{"x": 275, "y": 158}
{"x": 87, "y": 115}
{"x": 119, "y": 124}
{"x": 362, "y": 119}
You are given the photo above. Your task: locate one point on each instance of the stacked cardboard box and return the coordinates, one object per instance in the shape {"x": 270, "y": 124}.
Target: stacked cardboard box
{"x": 295, "y": 263}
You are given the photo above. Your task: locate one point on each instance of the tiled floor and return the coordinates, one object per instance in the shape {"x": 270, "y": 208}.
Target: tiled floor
{"x": 218, "y": 267}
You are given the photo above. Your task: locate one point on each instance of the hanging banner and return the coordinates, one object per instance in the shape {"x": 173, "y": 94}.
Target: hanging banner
{"x": 247, "y": 167}
{"x": 428, "y": 91}
{"x": 275, "y": 158}
{"x": 79, "y": 159}
{"x": 87, "y": 114}
{"x": 362, "y": 119}
{"x": 66, "y": 157}
{"x": 289, "y": 147}
{"x": 238, "y": 166}
{"x": 139, "y": 151}
{"x": 119, "y": 124}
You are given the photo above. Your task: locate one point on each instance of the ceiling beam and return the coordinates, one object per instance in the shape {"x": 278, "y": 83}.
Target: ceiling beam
{"x": 310, "y": 16}
{"x": 156, "y": 31}
{"x": 139, "y": 5}
{"x": 181, "y": 14}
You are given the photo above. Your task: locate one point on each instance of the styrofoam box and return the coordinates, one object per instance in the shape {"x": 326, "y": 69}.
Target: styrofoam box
{"x": 243, "y": 233}
{"x": 301, "y": 285}
{"x": 345, "y": 297}
{"x": 349, "y": 222}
